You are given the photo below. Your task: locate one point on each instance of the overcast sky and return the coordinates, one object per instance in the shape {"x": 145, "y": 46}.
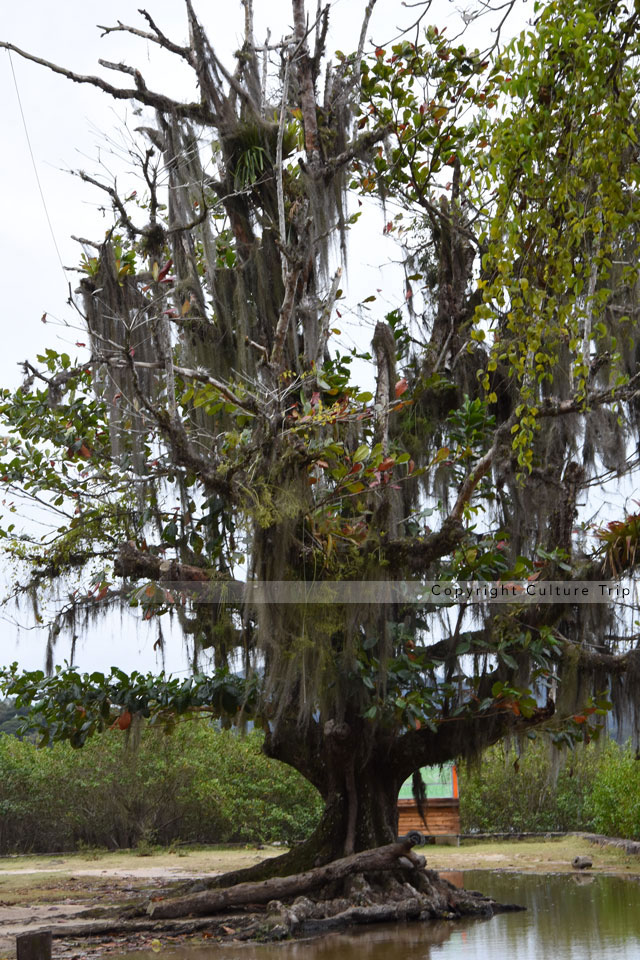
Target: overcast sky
{"x": 66, "y": 125}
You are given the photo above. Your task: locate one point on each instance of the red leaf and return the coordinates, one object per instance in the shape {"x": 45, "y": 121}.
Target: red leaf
{"x": 124, "y": 720}
{"x": 387, "y": 464}
{"x": 401, "y": 387}
{"x": 165, "y": 269}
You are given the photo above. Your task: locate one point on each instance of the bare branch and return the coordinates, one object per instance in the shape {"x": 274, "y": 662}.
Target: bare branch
{"x": 248, "y": 22}
{"x": 87, "y": 243}
{"x": 325, "y": 316}
{"x": 188, "y": 111}
{"x": 279, "y": 163}
{"x": 248, "y": 404}
{"x": 115, "y": 199}
{"x": 124, "y": 68}
{"x": 286, "y": 312}
{"x": 363, "y": 31}
{"x": 156, "y": 37}
{"x": 265, "y": 74}
{"x": 305, "y": 74}
{"x": 322, "y": 27}
{"x": 469, "y": 485}
{"x": 385, "y": 351}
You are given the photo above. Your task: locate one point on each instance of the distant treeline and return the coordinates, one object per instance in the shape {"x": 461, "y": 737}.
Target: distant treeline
{"x": 204, "y": 785}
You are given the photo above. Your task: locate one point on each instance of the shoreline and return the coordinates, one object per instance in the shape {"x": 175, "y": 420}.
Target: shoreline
{"x": 52, "y": 889}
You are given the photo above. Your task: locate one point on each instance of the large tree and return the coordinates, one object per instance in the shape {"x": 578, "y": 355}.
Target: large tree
{"x": 215, "y": 436}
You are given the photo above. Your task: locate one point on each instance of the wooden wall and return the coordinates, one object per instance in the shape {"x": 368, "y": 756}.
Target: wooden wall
{"x": 443, "y": 817}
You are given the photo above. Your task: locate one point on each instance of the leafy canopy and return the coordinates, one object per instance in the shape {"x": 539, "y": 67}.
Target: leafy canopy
{"x": 214, "y": 432}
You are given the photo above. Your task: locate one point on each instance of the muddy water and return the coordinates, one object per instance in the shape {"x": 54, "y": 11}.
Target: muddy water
{"x": 567, "y": 917}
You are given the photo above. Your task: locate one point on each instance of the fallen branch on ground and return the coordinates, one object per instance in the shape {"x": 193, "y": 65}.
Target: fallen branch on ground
{"x": 280, "y": 888}
{"x": 79, "y": 930}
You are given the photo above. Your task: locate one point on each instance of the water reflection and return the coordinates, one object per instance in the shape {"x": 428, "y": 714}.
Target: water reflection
{"x": 567, "y": 916}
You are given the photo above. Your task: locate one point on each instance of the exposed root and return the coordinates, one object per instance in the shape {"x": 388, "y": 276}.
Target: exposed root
{"x": 208, "y": 902}
{"x": 386, "y": 884}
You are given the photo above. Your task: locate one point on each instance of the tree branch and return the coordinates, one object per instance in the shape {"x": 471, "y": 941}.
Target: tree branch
{"x": 248, "y": 404}
{"x": 418, "y": 554}
{"x": 305, "y": 74}
{"x": 132, "y": 230}
{"x": 187, "y": 111}
{"x": 357, "y": 148}
{"x": 156, "y": 37}
{"x": 124, "y": 68}
{"x": 286, "y": 312}
{"x": 134, "y": 564}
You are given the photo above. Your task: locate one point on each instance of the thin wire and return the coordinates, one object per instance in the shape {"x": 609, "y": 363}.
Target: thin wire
{"x": 35, "y": 169}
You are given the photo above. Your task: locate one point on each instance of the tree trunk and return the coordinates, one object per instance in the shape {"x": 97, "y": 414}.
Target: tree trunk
{"x": 360, "y": 811}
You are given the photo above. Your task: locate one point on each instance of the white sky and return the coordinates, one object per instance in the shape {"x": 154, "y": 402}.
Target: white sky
{"x": 66, "y": 123}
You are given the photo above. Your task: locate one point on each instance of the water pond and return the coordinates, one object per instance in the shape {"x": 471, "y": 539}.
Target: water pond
{"x": 568, "y": 916}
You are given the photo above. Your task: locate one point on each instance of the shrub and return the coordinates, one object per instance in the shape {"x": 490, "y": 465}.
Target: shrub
{"x": 614, "y": 802}
{"x": 538, "y": 791}
{"x": 198, "y": 784}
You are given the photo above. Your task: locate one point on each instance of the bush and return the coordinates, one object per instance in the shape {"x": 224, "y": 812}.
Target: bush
{"x": 614, "y": 802}
{"x": 528, "y": 793}
{"x": 198, "y": 784}
{"x": 596, "y": 788}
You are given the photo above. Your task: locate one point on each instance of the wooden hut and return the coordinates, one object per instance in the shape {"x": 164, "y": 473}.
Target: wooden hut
{"x": 442, "y": 806}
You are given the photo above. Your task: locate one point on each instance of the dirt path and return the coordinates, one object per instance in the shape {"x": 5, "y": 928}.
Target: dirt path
{"x": 49, "y": 891}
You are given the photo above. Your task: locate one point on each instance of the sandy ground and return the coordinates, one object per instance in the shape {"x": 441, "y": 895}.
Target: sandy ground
{"x": 38, "y": 892}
